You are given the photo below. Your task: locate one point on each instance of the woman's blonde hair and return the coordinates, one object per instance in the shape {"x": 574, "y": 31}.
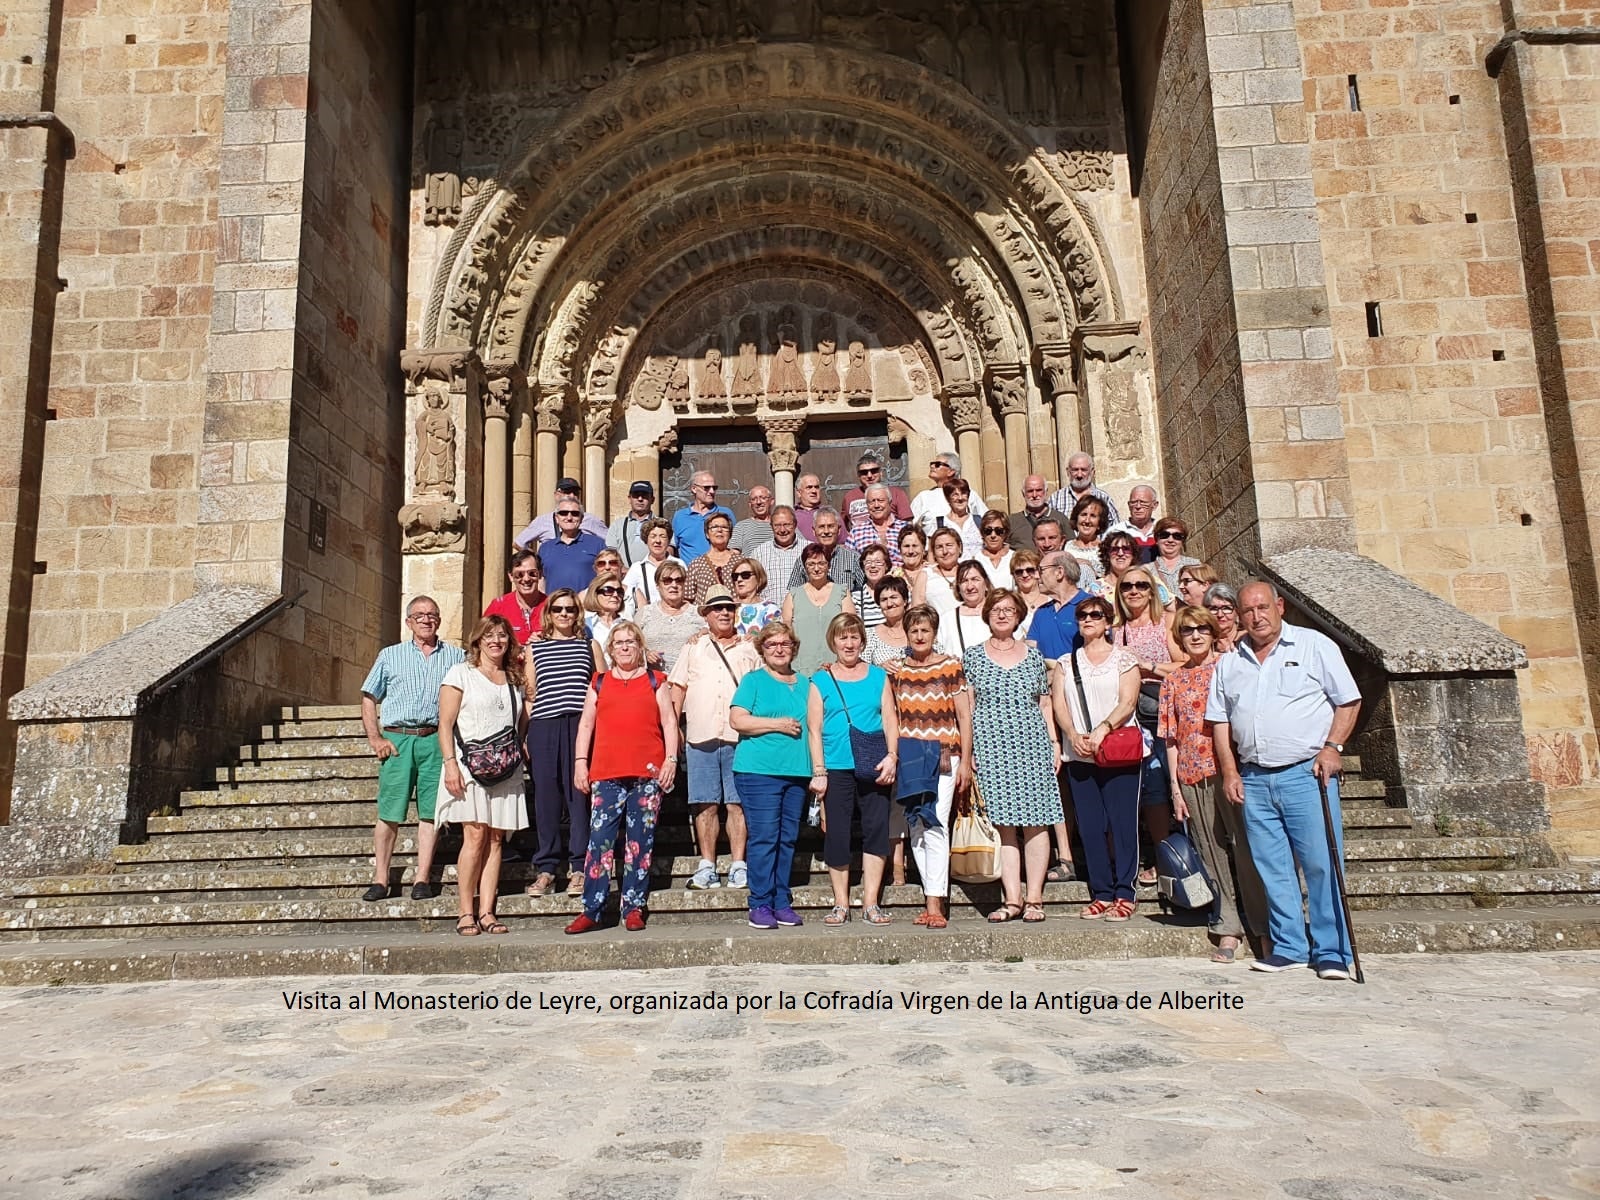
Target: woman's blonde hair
{"x": 1137, "y": 572}
{"x": 628, "y": 627}
{"x": 513, "y": 659}
{"x": 843, "y": 622}
{"x": 770, "y": 630}
{"x": 1188, "y": 614}
{"x": 547, "y": 625}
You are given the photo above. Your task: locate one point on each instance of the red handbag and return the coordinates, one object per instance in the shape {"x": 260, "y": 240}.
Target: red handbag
{"x": 1121, "y": 747}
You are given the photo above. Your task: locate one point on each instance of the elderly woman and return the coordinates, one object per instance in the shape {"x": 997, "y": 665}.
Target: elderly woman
{"x": 958, "y": 493}
{"x": 963, "y": 626}
{"x": 886, "y": 643}
{"x": 602, "y": 604}
{"x": 1026, "y": 578}
{"x": 749, "y": 584}
{"x": 771, "y": 769}
{"x": 671, "y": 621}
{"x": 714, "y": 568}
{"x": 627, "y": 756}
{"x": 641, "y": 577}
{"x": 1216, "y": 826}
{"x": 1119, "y": 553}
{"x": 935, "y": 584}
{"x": 852, "y": 697}
{"x": 935, "y": 706}
{"x": 1016, "y": 751}
{"x": 876, "y": 567}
{"x": 1193, "y": 581}
{"x": 1146, "y": 632}
{"x": 1088, "y": 520}
{"x": 1096, "y": 692}
{"x": 561, "y": 661}
{"x": 994, "y": 555}
{"x": 1222, "y": 602}
{"x": 1172, "y": 535}
{"x": 807, "y": 609}
{"x": 913, "y": 552}
{"x": 478, "y": 699}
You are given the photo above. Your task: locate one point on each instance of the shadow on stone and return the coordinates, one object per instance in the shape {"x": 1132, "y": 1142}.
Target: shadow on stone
{"x": 215, "y": 1174}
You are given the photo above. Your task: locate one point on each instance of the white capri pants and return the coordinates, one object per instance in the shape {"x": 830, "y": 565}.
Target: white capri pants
{"x": 930, "y": 848}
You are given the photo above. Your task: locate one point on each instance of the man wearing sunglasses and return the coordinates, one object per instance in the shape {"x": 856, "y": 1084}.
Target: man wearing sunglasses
{"x": 568, "y": 558}
{"x": 689, "y": 524}
{"x": 869, "y": 474}
{"x": 523, "y": 605}
{"x": 931, "y": 508}
{"x": 543, "y": 527}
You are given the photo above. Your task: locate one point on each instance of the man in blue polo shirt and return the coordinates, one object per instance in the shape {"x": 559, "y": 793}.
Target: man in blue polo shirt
{"x": 1055, "y": 624}
{"x": 405, "y": 680}
{"x": 689, "y": 524}
{"x": 1282, "y": 704}
{"x": 568, "y": 558}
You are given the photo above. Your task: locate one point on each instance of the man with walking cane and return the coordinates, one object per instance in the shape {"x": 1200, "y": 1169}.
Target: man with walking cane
{"x": 1282, "y": 705}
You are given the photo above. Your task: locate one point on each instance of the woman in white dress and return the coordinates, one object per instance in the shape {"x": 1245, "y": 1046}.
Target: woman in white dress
{"x": 935, "y": 584}
{"x": 478, "y": 699}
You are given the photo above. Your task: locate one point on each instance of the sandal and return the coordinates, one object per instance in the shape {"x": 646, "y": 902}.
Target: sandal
{"x": 542, "y": 885}
{"x": 489, "y": 923}
{"x": 467, "y": 927}
{"x": 935, "y": 921}
{"x": 1122, "y": 910}
{"x": 837, "y": 915}
{"x": 1225, "y": 954}
{"x": 1006, "y": 912}
{"x": 1060, "y": 872}
{"x": 1147, "y": 877}
{"x": 1095, "y": 910}
{"x": 873, "y": 915}
{"x": 922, "y": 918}
{"x": 1033, "y": 913}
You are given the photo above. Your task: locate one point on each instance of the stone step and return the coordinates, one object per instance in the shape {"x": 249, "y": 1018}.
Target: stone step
{"x": 320, "y": 712}
{"x": 540, "y": 948}
{"x": 22, "y": 919}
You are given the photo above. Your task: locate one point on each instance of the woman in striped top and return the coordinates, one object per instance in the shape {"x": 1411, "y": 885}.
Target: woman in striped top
{"x": 935, "y": 705}
{"x": 560, "y": 664}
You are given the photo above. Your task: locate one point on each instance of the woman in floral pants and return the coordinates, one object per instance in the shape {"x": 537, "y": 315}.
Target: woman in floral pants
{"x": 629, "y": 724}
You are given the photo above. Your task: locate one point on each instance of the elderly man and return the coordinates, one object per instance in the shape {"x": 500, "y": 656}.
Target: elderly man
{"x": 567, "y": 559}
{"x": 1049, "y": 535}
{"x": 780, "y": 556}
{"x": 1080, "y": 483}
{"x": 1141, "y": 522}
{"x": 880, "y": 526}
{"x": 689, "y": 524}
{"x": 757, "y": 527}
{"x": 543, "y": 527}
{"x": 931, "y": 505}
{"x": 703, "y": 682}
{"x": 405, "y": 679}
{"x": 807, "y": 499}
{"x": 626, "y": 536}
{"x": 1035, "y": 508}
{"x": 1281, "y": 706}
{"x": 844, "y": 564}
{"x": 869, "y": 473}
{"x": 1055, "y": 623}
{"x": 523, "y": 605}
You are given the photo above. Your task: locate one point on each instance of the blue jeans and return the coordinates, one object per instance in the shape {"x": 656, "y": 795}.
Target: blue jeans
{"x": 629, "y": 806}
{"x": 1284, "y": 823}
{"x": 772, "y": 808}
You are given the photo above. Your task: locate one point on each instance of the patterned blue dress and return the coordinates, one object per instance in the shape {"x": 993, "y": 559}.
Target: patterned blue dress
{"x": 1015, "y": 765}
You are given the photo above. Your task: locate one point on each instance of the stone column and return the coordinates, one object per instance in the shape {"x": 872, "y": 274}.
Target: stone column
{"x": 966, "y": 418}
{"x": 783, "y": 454}
{"x": 1008, "y": 385}
{"x": 547, "y": 450}
{"x": 598, "y": 420}
{"x": 1055, "y": 367}
{"x": 496, "y": 521}
{"x": 522, "y": 420}
{"x": 572, "y": 447}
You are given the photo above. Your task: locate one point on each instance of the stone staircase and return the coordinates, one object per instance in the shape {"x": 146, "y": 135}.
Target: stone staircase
{"x": 281, "y": 846}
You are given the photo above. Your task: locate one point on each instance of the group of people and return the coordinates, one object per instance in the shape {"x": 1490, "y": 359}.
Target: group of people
{"x": 889, "y": 664}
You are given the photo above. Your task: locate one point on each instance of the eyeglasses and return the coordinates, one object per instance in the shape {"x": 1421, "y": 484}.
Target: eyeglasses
{"x": 563, "y": 610}
{"x": 744, "y": 574}
{"x": 1171, "y": 535}
{"x": 1026, "y": 571}
{"x": 996, "y": 530}
{"x": 1095, "y": 615}
{"x": 1134, "y": 585}
{"x": 671, "y": 581}
{"x": 423, "y": 617}
{"x": 704, "y": 487}
{"x": 1191, "y": 630}
{"x": 778, "y": 646}
{"x": 608, "y": 591}
{"x": 524, "y": 574}
{"x": 1220, "y": 608}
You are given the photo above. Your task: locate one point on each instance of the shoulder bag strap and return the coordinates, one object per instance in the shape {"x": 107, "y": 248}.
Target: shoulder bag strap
{"x": 715, "y": 646}
{"x": 842, "y": 700}
{"x": 961, "y": 634}
{"x": 645, "y": 575}
{"x": 1077, "y": 679}
{"x": 627, "y": 550}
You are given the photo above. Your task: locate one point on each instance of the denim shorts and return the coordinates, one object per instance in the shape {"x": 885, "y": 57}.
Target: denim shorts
{"x": 710, "y": 766}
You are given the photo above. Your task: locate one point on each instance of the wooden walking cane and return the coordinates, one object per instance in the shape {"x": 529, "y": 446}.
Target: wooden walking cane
{"x": 1338, "y": 878}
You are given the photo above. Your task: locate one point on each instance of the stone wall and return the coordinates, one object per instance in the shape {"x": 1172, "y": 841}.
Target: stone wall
{"x": 1447, "y": 429}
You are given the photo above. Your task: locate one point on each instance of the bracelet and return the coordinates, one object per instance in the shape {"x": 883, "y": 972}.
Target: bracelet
{"x": 583, "y": 758}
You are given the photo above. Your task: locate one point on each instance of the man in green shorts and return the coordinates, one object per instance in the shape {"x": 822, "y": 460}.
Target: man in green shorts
{"x": 405, "y": 680}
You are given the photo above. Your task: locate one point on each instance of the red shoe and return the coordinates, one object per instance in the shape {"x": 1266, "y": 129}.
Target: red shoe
{"x": 582, "y": 923}
{"x": 634, "y": 921}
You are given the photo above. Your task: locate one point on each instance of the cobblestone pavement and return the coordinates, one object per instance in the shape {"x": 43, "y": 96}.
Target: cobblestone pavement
{"x": 1443, "y": 1077}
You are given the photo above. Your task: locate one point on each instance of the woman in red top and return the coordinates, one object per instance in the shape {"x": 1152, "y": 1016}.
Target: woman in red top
{"x": 629, "y": 723}
{"x": 1216, "y": 826}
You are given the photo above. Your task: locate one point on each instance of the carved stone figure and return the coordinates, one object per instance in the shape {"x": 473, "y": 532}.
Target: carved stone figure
{"x": 433, "y": 527}
{"x": 825, "y": 379}
{"x": 746, "y": 390}
{"x": 712, "y": 388}
{"x": 858, "y": 376}
{"x": 435, "y": 473}
{"x": 678, "y": 387}
{"x": 1010, "y": 393}
{"x": 786, "y": 383}
{"x": 966, "y": 409}
{"x": 598, "y": 420}
{"x": 1124, "y": 429}
{"x": 441, "y": 203}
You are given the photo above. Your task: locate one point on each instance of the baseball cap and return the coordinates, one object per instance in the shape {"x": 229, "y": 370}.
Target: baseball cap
{"x": 641, "y": 488}
{"x": 569, "y": 484}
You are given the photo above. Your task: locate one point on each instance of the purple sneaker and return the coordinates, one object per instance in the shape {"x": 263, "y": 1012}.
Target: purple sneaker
{"x": 762, "y": 918}
{"x": 787, "y": 916}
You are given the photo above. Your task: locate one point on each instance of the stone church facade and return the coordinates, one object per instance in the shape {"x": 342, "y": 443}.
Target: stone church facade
{"x": 308, "y": 303}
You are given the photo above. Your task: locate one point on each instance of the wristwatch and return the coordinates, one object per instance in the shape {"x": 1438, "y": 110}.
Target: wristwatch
{"x": 1334, "y": 746}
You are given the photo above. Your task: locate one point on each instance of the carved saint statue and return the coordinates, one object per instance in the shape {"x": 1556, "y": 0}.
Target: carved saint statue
{"x": 711, "y": 385}
{"x": 435, "y": 473}
{"x": 825, "y": 379}
{"x": 746, "y": 388}
{"x": 858, "y": 375}
{"x": 678, "y": 387}
{"x": 442, "y": 196}
{"x": 787, "y": 382}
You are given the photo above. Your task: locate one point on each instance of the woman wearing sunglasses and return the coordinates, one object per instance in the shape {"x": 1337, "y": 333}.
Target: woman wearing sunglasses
{"x": 1193, "y": 580}
{"x": 749, "y": 584}
{"x": 1146, "y": 632}
{"x": 1027, "y": 581}
{"x": 560, "y": 663}
{"x": 671, "y": 621}
{"x": 1119, "y": 553}
{"x": 1172, "y": 535}
{"x": 602, "y": 605}
{"x": 1216, "y": 826}
{"x": 994, "y": 554}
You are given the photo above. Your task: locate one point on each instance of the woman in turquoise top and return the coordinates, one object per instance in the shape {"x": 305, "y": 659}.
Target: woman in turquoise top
{"x": 771, "y": 766}
{"x": 852, "y": 694}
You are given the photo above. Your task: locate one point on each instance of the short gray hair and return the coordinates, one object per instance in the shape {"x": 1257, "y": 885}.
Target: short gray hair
{"x": 879, "y": 487}
{"x": 1221, "y": 591}
{"x": 950, "y": 459}
{"x": 824, "y": 510}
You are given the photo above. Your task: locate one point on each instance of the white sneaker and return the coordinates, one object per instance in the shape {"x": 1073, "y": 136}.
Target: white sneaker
{"x": 705, "y": 879}
{"x": 1332, "y": 971}
{"x": 739, "y": 876}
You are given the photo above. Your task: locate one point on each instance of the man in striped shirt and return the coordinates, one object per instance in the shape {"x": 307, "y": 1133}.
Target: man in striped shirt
{"x": 779, "y": 556}
{"x": 405, "y": 680}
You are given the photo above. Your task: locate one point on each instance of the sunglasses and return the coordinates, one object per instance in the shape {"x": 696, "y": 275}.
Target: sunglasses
{"x": 744, "y": 574}
{"x": 609, "y": 591}
{"x": 869, "y": 470}
{"x": 705, "y": 487}
{"x": 1134, "y": 586}
{"x": 564, "y": 610}
{"x": 570, "y": 512}
{"x": 1191, "y": 630}
{"x": 524, "y": 574}
{"x": 1128, "y": 550}
{"x": 1171, "y": 535}
{"x": 1094, "y": 615}
{"x": 671, "y": 580}
{"x": 997, "y": 530}
{"x": 1026, "y": 571}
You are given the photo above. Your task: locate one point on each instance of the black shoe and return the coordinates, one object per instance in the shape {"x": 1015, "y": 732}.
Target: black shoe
{"x": 375, "y": 893}
{"x": 424, "y": 891}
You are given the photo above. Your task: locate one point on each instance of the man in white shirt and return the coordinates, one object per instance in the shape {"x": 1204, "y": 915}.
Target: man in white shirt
{"x": 1281, "y": 706}
{"x": 927, "y": 507}
{"x": 1141, "y": 522}
{"x": 543, "y": 528}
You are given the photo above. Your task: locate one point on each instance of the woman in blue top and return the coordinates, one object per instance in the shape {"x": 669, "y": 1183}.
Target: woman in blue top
{"x": 771, "y": 765}
{"x": 852, "y": 695}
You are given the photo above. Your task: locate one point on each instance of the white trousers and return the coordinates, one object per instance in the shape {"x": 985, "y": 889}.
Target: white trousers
{"x": 930, "y": 848}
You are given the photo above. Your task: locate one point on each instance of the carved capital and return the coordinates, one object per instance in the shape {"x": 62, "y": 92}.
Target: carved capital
{"x": 598, "y": 421}
{"x": 1111, "y": 342}
{"x": 783, "y": 442}
{"x": 1054, "y": 361}
{"x": 1008, "y": 387}
{"x": 965, "y": 405}
{"x": 667, "y": 443}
